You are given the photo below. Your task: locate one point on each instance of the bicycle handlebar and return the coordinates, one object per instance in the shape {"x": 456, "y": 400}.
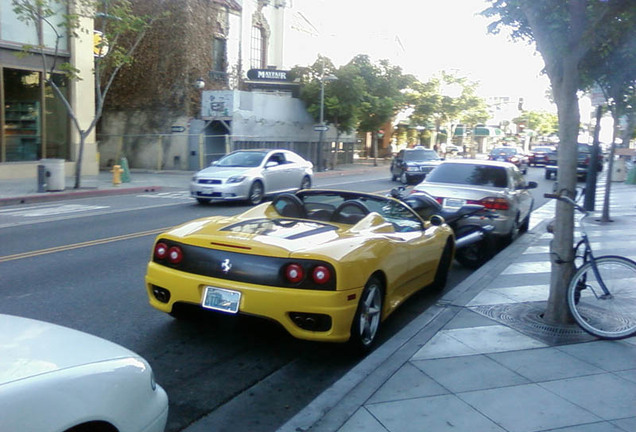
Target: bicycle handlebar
{"x": 566, "y": 199}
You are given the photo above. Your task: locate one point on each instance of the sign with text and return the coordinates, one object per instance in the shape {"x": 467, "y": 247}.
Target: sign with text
{"x": 268, "y": 75}
{"x": 217, "y": 104}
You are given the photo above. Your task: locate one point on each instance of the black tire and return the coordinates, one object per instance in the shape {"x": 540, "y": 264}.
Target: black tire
{"x": 513, "y": 235}
{"x": 445, "y": 261}
{"x": 474, "y": 255}
{"x": 404, "y": 179}
{"x": 257, "y": 193}
{"x": 305, "y": 183}
{"x": 525, "y": 225}
{"x": 203, "y": 200}
{"x": 548, "y": 175}
{"x": 606, "y": 317}
{"x": 368, "y": 317}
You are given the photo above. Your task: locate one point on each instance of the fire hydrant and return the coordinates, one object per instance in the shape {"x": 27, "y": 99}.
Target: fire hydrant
{"x": 117, "y": 174}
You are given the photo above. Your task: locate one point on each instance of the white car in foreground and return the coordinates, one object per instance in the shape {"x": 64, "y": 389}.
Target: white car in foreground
{"x": 55, "y": 379}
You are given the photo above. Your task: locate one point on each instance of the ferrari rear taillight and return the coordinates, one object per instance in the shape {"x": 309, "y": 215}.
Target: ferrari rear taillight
{"x": 175, "y": 255}
{"x": 321, "y": 275}
{"x": 492, "y": 203}
{"x": 161, "y": 251}
{"x": 294, "y": 273}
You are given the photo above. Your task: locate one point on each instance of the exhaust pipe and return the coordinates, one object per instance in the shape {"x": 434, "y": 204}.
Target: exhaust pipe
{"x": 468, "y": 239}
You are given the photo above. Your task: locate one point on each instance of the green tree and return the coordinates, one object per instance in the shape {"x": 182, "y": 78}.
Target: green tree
{"x": 121, "y": 31}
{"x": 566, "y": 32}
{"x": 342, "y": 95}
{"x": 383, "y": 94}
{"x": 542, "y": 122}
{"x": 446, "y": 101}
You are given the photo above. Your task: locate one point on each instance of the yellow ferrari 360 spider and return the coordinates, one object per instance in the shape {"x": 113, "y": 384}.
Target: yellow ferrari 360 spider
{"x": 327, "y": 265}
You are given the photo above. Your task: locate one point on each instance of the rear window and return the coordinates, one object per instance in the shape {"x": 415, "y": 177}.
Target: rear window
{"x": 478, "y": 175}
{"x": 420, "y": 155}
{"x": 504, "y": 150}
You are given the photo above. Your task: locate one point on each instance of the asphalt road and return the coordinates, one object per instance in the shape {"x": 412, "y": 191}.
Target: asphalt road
{"x": 81, "y": 264}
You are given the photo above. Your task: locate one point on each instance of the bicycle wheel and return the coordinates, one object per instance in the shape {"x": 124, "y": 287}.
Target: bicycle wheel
{"x": 610, "y": 316}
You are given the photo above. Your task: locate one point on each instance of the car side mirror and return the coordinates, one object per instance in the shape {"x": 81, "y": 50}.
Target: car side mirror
{"x": 436, "y": 220}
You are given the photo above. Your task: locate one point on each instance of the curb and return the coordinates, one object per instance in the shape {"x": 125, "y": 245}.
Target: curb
{"x": 75, "y": 194}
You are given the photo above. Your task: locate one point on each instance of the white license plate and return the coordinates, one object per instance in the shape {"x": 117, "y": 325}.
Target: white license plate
{"x": 208, "y": 191}
{"x": 221, "y": 299}
{"x": 454, "y": 202}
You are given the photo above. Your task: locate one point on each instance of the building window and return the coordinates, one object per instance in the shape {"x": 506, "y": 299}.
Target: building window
{"x": 25, "y": 33}
{"x": 36, "y": 123}
{"x": 258, "y": 58}
{"x": 218, "y": 54}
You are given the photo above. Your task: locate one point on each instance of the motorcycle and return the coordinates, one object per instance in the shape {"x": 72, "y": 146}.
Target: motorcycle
{"x": 474, "y": 244}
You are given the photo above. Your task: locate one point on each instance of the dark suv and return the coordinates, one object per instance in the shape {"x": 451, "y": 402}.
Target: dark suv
{"x": 412, "y": 165}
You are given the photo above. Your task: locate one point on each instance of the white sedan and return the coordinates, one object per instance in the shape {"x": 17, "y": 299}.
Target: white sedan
{"x": 53, "y": 378}
{"x": 251, "y": 175}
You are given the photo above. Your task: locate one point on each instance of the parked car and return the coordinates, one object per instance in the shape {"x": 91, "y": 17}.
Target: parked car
{"x": 412, "y": 165}
{"x": 537, "y": 154}
{"x": 514, "y": 155}
{"x": 251, "y": 175}
{"x": 327, "y": 265}
{"x": 498, "y": 186}
{"x": 584, "y": 155}
{"x": 53, "y": 378}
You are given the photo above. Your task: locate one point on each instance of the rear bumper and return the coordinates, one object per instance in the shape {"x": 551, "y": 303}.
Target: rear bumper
{"x": 264, "y": 301}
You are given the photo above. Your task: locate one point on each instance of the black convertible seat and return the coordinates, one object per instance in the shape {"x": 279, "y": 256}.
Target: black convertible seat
{"x": 289, "y": 205}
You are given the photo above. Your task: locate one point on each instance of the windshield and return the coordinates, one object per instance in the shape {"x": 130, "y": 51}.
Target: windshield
{"x": 420, "y": 155}
{"x": 241, "y": 159}
{"x": 479, "y": 175}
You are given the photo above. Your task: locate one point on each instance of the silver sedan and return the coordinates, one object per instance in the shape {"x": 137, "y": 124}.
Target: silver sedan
{"x": 251, "y": 175}
{"x": 498, "y": 186}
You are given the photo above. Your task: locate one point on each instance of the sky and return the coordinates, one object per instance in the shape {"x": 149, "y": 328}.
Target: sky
{"x": 423, "y": 37}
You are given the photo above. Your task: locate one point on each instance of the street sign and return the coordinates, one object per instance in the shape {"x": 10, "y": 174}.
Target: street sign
{"x": 319, "y": 128}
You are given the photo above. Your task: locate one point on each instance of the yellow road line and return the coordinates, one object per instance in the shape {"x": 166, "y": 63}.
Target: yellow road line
{"x": 80, "y": 245}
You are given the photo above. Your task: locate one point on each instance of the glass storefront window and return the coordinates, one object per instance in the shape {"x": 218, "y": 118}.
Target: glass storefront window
{"x": 22, "y": 115}
{"x": 30, "y": 119}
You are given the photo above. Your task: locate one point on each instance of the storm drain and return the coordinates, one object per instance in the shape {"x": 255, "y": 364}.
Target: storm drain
{"x": 527, "y": 319}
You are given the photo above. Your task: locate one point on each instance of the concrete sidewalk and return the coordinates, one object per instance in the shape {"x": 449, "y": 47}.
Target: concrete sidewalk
{"x": 482, "y": 359}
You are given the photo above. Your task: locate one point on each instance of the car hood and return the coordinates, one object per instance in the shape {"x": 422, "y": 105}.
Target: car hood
{"x": 223, "y": 172}
{"x": 29, "y": 347}
{"x": 258, "y": 232}
{"x": 450, "y": 190}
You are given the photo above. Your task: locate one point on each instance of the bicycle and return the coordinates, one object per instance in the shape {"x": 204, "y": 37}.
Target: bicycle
{"x": 602, "y": 292}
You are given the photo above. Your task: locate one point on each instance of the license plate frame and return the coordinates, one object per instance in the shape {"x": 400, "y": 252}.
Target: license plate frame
{"x": 221, "y": 299}
{"x": 454, "y": 202}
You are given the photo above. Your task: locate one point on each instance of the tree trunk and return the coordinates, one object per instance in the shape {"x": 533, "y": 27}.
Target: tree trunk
{"x": 562, "y": 69}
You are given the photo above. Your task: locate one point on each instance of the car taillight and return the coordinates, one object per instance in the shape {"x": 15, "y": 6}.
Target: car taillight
{"x": 175, "y": 255}
{"x": 321, "y": 275}
{"x": 161, "y": 251}
{"x": 492, "y": 203}
{"x": 294, "y": 273}
{"x": 439, "y": 200}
